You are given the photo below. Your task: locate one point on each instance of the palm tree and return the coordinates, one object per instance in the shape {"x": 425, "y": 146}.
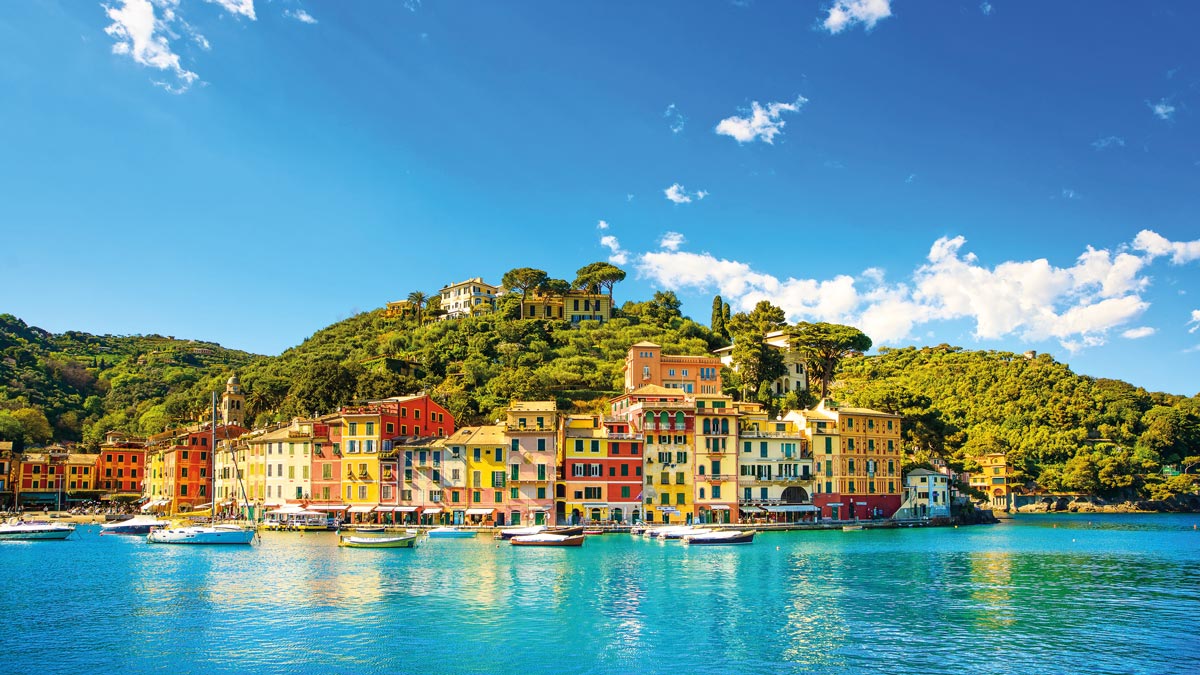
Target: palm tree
{"x": 417, "y": 298}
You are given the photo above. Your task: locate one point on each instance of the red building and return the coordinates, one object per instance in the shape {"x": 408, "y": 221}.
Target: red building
{"x": 185, "y": 460}
{"x": 121, "y": 467}
{"x": 602, "y": 471}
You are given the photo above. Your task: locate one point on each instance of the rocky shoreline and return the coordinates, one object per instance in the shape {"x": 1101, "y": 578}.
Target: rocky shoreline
{"x": 1180, "y": 504}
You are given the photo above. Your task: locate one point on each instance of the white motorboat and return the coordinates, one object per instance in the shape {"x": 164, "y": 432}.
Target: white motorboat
{"x": 135, "y": 525}
{"x": 510, "y": 532}
{"x": 450, "y": 533}
{"x": 22, "y": 531}
{"x": 679, "y": 532}
{"x": 202, "y": 534}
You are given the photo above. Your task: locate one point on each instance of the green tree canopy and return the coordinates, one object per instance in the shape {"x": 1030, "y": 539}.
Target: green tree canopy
{"x": 599, "y": 277}
{"x": 523, "y": 279}
{"x": 824, "y": 345}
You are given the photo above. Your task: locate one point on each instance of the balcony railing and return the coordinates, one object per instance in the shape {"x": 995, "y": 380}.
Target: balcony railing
{"x": 755, "y": 433}
{"x": 717, "y": 478}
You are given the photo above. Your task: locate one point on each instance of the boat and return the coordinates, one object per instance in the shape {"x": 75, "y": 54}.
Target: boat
{"x": 402, "y": 541}
{"x": 296, "y": 517}
{"x": 211, "y": 534}
{"x": 202, "y": 534}
{"x": 450, "y": 533}
{"x": 34, "y": 531}
{"x": 138, "y": 525}
{"x": 510, "y": 532}
{"x": 637, "y": 530}
{"x": 369, "y": 528}
{"x": 851, "y": 528}
{"x": 566, "y": 531}
{"x": 593, "y": 532}
{"x": 678, "y": 531}
{"x": 547, "y": 539}
{"x": 720, "y": 537}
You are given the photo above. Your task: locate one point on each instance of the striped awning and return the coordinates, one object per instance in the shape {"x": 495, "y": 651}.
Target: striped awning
{"x": 480, "y": 512}
{"x": 429, "y": 510}
{"x": 361, "y": 509}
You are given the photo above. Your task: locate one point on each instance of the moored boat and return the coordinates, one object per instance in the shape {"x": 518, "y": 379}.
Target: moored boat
{"x": 547, "y": 539}
{"x": 22, "y": 531}
{"x": 369, "y": 528}
{"x": 569, "y": 531}
{"x": 510, "y": 532}
{"x": 851, "y": 528}
{"x": 592, "y": 532}
{"x": 720, "y": 537}
{"x": 402, "y": 541}
{"x": 137, "y": 525}
{"x": 450, "y": 532}
{"x": 679, "y": 532}
{"x": 199, "y": 534}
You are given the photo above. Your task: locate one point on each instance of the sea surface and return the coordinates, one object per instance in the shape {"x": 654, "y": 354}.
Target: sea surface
{"x": 1037, "y": 594}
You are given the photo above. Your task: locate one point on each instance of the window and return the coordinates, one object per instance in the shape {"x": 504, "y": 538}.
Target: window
{"x": 541, "y": 493}
{"x": 680, "y": 498}
{"x": 541, "y": 472}
{"x": 391, "y": 428}
{"x": 327, "y": 471}
{"x": 541, "y": 444}
{"x": 354, "y": 428}
{"x": 716, "y": 492}
{"x": 499, "y": 455}
{"x": 595, "y": 446}
{"x": 362, "y": 492}
{"x": 762, "y": 449}
{"x": 624, "y": 469}
{"x": 591, "y": 493}
{"x": 514, "y": 471}
{"x": 512, "y": 493}
{"x": 679, "y": 478}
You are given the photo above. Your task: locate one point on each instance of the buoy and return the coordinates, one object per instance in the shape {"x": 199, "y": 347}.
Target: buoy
{"x": 776, "y": 548}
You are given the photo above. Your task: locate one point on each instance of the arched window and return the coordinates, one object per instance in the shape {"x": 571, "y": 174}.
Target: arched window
{"x": 724, "y": 426}
{"x": 679, "y": 425}
{"x": 649, "y": 420}
{"x": 701, "y": 493}
{"x": 664, "y": 419}
{"x": 707, "y": 426}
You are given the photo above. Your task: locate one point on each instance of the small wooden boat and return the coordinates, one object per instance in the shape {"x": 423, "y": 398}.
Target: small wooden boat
{"x": 547, "y": 539}
{"x": 369, "y": 528}
{"x": 402, "y": 541}
{"x": 593, "y": 532}
{"x": 851, "y": 528}
{"x": 510, "y": 532}
{"x": 720, "y": 537}
{"x": 566, "y": 531}
{"x": 450, "y": 533}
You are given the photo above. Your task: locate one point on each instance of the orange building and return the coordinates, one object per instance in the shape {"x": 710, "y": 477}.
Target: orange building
{"x": 645, "y": 364}
{"x": 121, "y": 466}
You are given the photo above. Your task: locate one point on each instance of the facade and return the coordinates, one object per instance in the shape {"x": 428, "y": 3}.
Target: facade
{"x": 8, "y": 475}
{"x": 179, "y": 465}
{"x": 411, "y": 479}
{"x": 666, "y": 420}
{"x": 326, "y": 462}
{"x": 233, "y": 403}
{"x": 926, "y": 495}
{"x": 79, "y": 478}
{"x": 287, "y": 456}
{"x": 796, "y": 377}
{"x": 40, "y": 483}
{"x": 775, "y": 468}
{"x": 469, "y": 297}
{"x": 531, "y": 429}
{"x": 645, "y": 364}
{"x": 992, "y": 478}
{"x": 602, "y": 468}
{"x": 121, "y": 467}
{"x": 856, "y": 453}
{"x": 400, "y": 309}
{"x": 575, "y": 306}
{"x": 716, "y": 463}
{"x": 486, "y": 478}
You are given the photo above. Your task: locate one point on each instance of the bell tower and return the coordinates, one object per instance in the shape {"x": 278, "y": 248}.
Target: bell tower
{"x": 233, "y": 403}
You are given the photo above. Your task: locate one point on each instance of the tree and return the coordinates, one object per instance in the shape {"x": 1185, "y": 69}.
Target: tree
{"x": 555, "y": 288}
{"x": 523, "y": 279}
{"x": 417, "y": 298}
{"x": 35, "y": 425}
{"x": 757, "y": 362}
{"x": 824, "y": 345}
{"x": 718, "y": 317}
{"x": 599, "y": 276}
{"x": 322, "y": 387}
{"x": 764, "y": 318}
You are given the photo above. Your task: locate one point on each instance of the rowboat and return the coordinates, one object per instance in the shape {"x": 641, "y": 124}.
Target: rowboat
{"x": 510, "y": 532}
{"x": 593, "y": 532}
{"x": 566, "y": 531}
{"x": 851, "y": 528}
{"x": 546, "y": 539}
{"x": 402, "y": 541}
{"x": 721, "y": 537}
{"x": 450, "y": 533}
{"x": 22, "y": 531}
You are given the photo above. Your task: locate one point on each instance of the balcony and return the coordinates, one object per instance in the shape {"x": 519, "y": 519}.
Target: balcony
{"x": 755, "y": 433}
{"x": 717, "y": 478}
{"x": 625, "y": 437}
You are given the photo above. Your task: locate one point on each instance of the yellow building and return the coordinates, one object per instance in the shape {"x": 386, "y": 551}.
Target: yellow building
{"x": 486, "y": 477}
{"x": 575, "y": 306}
{"x": 775, "y": 467}
{"x": 360, "y": 445}
{"x": 400, "y": 309}
{"x": 716, "y": 477}
{"x": 992, "y": 478}
{"x": 584, "y": 485}
{"x": 80, "y": 479}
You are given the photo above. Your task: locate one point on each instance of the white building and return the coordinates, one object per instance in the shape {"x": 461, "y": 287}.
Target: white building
{"x": 795, "y": 379}
{"x": 468, "y": 297}
{"x": 287, "y": 456}
{"x": 926, "y": 495}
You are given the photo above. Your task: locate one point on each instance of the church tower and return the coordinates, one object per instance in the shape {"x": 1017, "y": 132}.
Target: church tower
{"x": 233, "y": 403}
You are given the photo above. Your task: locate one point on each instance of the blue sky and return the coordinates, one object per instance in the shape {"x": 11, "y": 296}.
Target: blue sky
{"x": 997, "y": 175}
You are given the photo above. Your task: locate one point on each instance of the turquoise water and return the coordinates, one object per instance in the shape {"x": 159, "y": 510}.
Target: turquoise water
{"x": 1040, "y": 594}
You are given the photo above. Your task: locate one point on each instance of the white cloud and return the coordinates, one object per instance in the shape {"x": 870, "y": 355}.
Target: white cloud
{"x": 1068, "y": 193}
{"x": 986, "y": 8}
{"x": 142, "y": 36}
{"x": 618, "y": 255}
{"x": 762, "y": 123}
{"x": 1079, "y": 305}
{"x": 1154, "y": 245}
{"x": 602, "y": 225}
{"x": 1139, "y": 332}
{"x": 1162, "y": 110}
{"x": 911, "y": 178}
{"x": 671, "y": 241}
{"x": 242, "y": 7}
{"x": 629, "y": 197}
{"x": 1108, "y": 141}
{"x": 679, "y": 194}
{"x": 1195, "y": 322}
{"x": 675, "y": 119}
{"x": 846, "y": 13}
{"x": 299, "y": 15}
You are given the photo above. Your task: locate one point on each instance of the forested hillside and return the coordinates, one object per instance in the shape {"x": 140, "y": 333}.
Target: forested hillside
{"x": 1066, "y": 431}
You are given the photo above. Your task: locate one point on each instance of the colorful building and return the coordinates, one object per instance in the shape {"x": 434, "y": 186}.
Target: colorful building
{"x": 856, "y": 453}
{"x": 179, "y": 463}
{"x": 716, "y": 464}
{"x": 775, "y": 468}
{"x": 666, "y": 420}
{"x": 602, "y": 471}
{"x": 926, "y": 495}
{"x": 645, "y": 364}
{"x": 121, "y": 467}
{"x": 80, "y": 483}
{"x": 41, "y": 475}
{"x": 8, "y": 475}
{"x": 287, "y": 456}
{"x": 465, "y": 298}
{"x": 531, "y": 430}
{"x": 992, "y": 479}
{"x": 574, "y": 306}
{"x": 486, "y": 479}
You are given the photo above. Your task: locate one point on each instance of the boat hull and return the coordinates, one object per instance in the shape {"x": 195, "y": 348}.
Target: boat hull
{"x": 202, "y": 536}
{"x": 407, "y": 541}
{"x": 35, "y": 533}
{"x": 572, "y": 540}
{"x": 722, "y": 539}
{"x": 566, "y": 531}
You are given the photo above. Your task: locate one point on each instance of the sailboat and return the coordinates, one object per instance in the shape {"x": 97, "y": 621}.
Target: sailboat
{"x": 211, "y": 533}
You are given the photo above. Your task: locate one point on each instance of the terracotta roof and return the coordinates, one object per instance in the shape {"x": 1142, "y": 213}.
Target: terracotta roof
{"x": 656, "y": 390}
{"x": 644, "y": 343}
{"x": 533, "y": 406}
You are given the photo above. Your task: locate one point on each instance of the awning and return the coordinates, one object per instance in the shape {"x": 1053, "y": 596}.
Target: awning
{"x": 404, "y": 509}
{"x": 361, "y": 509}
{"x": 327, "y": 507}
{"x": 720, "y": 507}
{"x": 594, "y": 505}
{"x": 835, "y": 504}
{"x": 792, "y": 508}
{"x": 539, "y": 508}
{"x": 429, "y": 510}
{"x": 480, "y": 512}
{"x": 206, "y": 505}
{"x": 750, "y": 509}
{"x": 385, "y": 509}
